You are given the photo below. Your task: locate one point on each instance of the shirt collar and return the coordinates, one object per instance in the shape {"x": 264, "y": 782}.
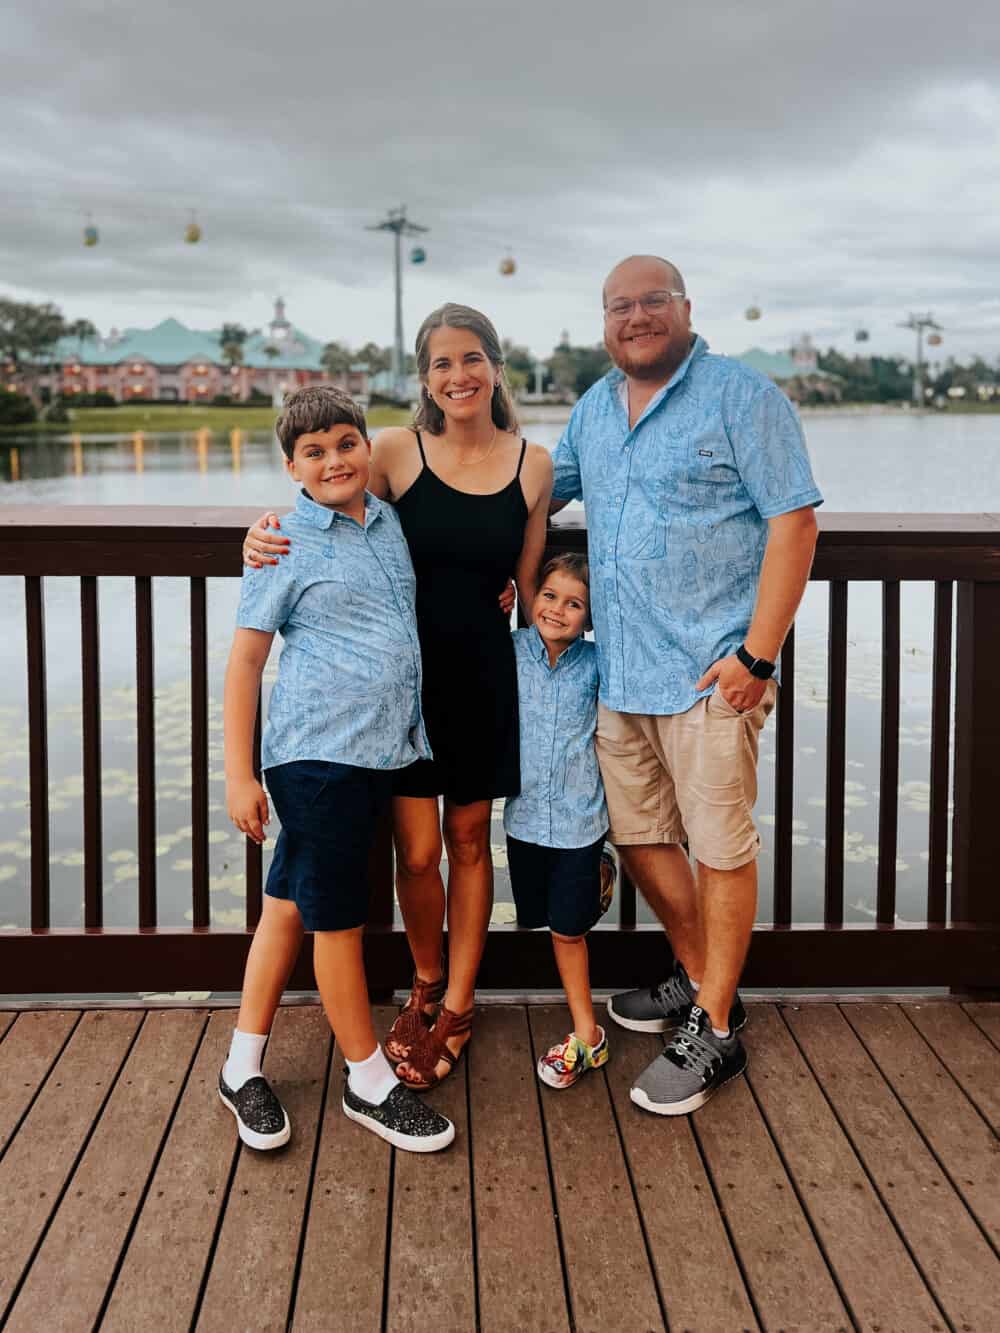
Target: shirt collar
{"x": 540, "y": 653}
{"x": 319, "y": 516}
{"x": 699, "y": 347}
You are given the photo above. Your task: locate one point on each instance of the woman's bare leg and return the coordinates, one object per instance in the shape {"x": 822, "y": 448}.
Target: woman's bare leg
{"x": 470, "y": 901}
{"x": 416, "y": 826}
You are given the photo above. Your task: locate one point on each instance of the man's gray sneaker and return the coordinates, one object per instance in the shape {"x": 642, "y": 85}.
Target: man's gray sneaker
{"x": 664, "y": 1007}
{"x": 403, "y": 1120}
{"x": 694, "y": 1064}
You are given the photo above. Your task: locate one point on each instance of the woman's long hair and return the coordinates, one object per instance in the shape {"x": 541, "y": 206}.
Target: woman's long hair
{"x": 429, "y": 416}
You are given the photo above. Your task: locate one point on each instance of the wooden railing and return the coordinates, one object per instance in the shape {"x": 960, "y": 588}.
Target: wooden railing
{"x": 957, "y": 945}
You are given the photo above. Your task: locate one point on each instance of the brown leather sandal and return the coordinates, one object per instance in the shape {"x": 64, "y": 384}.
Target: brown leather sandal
{"x": 411, "y": 1022}
{"x": 432, "y": 1048}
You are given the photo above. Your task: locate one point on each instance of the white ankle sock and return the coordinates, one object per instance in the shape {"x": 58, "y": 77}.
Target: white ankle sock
{"x": 695, "y": 986}
{"x": 246, "y": 1051}
{"x": 717, "y": 1033}
{"x": 372, "y": 1080}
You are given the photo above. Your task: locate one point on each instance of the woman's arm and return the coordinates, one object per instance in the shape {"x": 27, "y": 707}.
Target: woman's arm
{"x": 246, "y": 802}
{"x": 538, "y": 469}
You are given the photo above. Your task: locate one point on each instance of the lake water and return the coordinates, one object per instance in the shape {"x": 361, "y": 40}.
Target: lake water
{"x": 863, "y": 462}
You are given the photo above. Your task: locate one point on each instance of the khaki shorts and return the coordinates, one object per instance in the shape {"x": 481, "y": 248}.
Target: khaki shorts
{"x": 686, "y": 777}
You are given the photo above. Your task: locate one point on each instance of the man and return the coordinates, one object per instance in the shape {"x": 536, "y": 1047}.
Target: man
{"x": 699, "y": 500}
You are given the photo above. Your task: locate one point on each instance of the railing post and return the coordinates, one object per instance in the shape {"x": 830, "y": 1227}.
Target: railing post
{"x": 975, "y": 887}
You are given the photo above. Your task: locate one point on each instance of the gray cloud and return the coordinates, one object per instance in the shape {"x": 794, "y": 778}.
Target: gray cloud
{"x": 835, "y": 164}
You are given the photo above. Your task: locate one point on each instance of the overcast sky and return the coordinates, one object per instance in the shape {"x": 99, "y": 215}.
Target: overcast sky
{"x": 835, "y": 164}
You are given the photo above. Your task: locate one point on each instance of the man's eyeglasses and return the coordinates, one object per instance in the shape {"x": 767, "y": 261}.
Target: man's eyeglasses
{"x": 653, "y": 303}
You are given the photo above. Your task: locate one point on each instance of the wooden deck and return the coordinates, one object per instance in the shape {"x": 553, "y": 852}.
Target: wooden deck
{"x": 851, "y": 1181}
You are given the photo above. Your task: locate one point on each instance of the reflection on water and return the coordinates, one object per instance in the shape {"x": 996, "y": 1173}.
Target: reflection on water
{"x": 862, "y": 463}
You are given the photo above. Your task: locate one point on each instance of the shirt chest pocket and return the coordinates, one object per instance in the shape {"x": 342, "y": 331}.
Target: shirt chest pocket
{"x": 326, "y": 591}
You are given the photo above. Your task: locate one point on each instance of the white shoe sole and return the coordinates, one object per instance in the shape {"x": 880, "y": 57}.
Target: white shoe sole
{"x": 262, "y": 1142}
{"x": 407, "y": 1142}
{"x": 552, "y": 1080}
{"x": 641, "y": 1098}
{"x": 639, "y": 1024}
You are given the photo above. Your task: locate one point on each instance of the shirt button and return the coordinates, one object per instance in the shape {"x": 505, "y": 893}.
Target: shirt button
{"x": 618, "y": 499}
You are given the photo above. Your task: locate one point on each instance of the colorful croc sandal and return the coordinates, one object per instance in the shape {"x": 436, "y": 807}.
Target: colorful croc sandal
{"x": 570, "y": 1059}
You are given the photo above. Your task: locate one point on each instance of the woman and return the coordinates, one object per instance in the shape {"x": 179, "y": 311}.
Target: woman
{"x": 473, "y": 498}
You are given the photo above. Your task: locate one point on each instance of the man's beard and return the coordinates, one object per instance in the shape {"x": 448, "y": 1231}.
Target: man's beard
{"x": 657, "y": 371}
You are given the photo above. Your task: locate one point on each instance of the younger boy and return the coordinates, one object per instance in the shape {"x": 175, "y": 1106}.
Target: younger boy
{"x": 344, "y": 713}
{"x": 556, "y": 826}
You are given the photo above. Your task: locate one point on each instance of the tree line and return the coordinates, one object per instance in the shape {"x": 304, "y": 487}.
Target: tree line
{"x": 29, "y": 334}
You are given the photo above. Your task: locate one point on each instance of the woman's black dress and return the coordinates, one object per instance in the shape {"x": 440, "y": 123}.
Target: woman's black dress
{"x": 464, "y": 549}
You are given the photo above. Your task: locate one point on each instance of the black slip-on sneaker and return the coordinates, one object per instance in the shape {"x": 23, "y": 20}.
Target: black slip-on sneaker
{"x": 260, "y": 1118}
{"x": 403, "y": 1119}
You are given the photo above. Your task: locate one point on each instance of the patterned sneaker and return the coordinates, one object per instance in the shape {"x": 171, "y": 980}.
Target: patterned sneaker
{"x": 403, "y": 1119}
{"x": 664, "y": 1007}
{"x": 694, "y": 1064}
{"x": 570, "y": 1059}
{"x": 261, "y": 1120}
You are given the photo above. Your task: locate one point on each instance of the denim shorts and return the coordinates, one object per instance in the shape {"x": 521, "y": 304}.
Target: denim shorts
{"x": 328, "y": 814}
{"x": 558, "y": 887}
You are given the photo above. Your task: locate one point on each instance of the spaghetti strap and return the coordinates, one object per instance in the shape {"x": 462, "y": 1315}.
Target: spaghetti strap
{"x": 420, "y": 446}
{"x": 524, "y": 446}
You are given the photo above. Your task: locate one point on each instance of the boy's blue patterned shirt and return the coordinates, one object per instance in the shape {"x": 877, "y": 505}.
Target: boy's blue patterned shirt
{"x": 677, "y": 511}
{"x": 348, "y": 687}
{"x": 562, "y": 798}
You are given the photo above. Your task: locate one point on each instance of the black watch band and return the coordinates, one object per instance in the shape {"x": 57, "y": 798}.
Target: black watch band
{"x": 757, "y": 666}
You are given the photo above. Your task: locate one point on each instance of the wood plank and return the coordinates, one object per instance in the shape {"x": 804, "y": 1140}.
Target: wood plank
{"x": 953, "y": 1255}
{"x": 844, "y": 1208}
{"x": 519, "y": 1285}
{"x": 611, "y": 1284}
{"x": 957, "y": 1134}
{"x": 43, "y": 1154}
{"x": 986, "y": 1016}
{"x": 789, "y": 1281}
{"x": 965, "y": 1051}
{"x": 68, "y": 1280}
{"x": 25, "y": 1059}
{"x": 346, "y": 1231}
{"x": 686, "y": 1234}
{"x": 253, "y": 1268}
{"x": 6, "y": 1019}
{"x": 181, "y": 1210}
{"x": 432, "y": 1253}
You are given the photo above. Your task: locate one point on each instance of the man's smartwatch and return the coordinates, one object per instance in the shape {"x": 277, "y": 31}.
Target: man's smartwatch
{"x": 757, "y": 666}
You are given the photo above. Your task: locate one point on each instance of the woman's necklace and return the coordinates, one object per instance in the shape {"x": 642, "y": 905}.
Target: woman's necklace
{"x": 483, "y": 457}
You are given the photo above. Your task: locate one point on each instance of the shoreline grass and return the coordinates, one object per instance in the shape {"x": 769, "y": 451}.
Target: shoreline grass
{"x": 154, "y": 419}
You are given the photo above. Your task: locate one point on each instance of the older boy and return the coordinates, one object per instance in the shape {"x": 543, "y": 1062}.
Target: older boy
{"x": 344, "y": 713}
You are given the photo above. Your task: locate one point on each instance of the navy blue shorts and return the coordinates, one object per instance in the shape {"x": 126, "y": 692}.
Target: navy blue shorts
{"x": 558, "y": 887}
{"x": 328, "y": 814}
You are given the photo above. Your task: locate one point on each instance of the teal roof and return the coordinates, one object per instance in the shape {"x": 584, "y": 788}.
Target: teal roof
{"x": 171, "y": 343}
{"x": 779, "y": 365}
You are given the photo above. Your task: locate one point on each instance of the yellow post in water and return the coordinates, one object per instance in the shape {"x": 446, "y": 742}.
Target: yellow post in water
{"x": 235, "y": 444}
{"x": 77, "y": 444}
{"x": 138, "y": 444}
{"x": 15, "y": 465}
{"x": 201, "y": 443}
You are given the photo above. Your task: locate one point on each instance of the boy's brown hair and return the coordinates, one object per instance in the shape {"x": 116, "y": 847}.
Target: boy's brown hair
{"x": 574, "y": 566}
{"x": 317, "y": 407}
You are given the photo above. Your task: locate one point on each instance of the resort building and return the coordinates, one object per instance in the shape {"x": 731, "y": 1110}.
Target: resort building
{"x": 796, "y": 371}
{"x": 173, "y": 363}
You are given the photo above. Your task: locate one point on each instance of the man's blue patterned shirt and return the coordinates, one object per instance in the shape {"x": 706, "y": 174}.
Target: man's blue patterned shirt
{"x": 562, "y": 798}
{"x": 348, "y": 687}
{"x": 677, "y": 511}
